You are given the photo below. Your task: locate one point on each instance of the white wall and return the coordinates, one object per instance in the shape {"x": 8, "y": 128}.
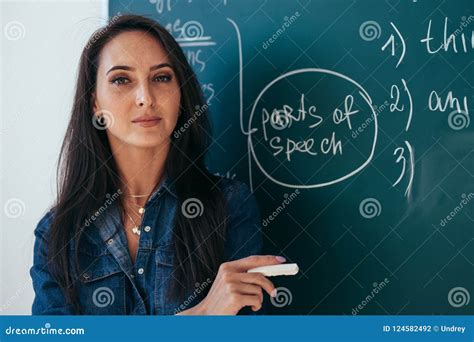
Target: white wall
{"x": 40, "y": 47}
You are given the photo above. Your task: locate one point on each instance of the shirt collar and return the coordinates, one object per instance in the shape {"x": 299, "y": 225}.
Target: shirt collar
{"x": 165, "y": 185}
{"x": 111, "y": 219}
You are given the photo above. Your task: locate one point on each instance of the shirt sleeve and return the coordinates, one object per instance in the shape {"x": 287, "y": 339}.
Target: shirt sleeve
{"x": 49, "y": 298}
{"x": 244, "y": 235}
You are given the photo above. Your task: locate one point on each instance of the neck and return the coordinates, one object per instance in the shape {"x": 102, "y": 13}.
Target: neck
{"x": 140, "y": 170}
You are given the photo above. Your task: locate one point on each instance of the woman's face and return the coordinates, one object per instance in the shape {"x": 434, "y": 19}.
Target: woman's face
{"x": 135, "y": 82}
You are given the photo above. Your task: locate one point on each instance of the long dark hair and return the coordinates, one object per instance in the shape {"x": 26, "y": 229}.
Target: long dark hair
{"x": 87, "y": 174}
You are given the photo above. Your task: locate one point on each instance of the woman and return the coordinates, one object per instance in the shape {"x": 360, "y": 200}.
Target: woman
{"x": 139, "y": 225}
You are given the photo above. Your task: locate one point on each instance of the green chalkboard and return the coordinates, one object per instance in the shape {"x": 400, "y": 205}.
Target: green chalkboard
{"x": 350, "y": 120}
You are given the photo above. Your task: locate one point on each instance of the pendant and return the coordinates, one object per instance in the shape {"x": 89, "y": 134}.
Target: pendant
{"x": 136, "y": 231}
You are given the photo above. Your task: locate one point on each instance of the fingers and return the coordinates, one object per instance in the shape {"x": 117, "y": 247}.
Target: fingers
{"x": 249, "y": 289}
{"x": 244, "y": 264}
{"x": 257, "y": 279}
{"x": 242, "y": 288}
{"x": 253, "y": 301}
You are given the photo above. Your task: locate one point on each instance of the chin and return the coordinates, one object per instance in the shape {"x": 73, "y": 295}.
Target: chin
{"x": 149, "y": 143}
{"x": 144, "y": 140}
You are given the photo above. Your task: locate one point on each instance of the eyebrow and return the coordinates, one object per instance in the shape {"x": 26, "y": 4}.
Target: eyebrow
{"x": 126, "y": 67}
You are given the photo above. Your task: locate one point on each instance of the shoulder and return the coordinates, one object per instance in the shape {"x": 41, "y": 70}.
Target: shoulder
{"x": 241, "y": 203}
{"x": 237, "y": 194}
{"x": 44, "y": 223}
{"x": 232, "y": 187}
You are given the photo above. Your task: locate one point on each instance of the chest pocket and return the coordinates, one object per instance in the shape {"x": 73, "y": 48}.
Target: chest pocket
{"x": 101, "y": 285}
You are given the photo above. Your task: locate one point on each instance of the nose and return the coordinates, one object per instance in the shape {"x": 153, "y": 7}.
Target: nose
{"x": 144, "y": 97}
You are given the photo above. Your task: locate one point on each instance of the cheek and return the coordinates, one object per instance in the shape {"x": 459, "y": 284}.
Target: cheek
{"x": 170, "y": 108}
{"x": 117, "y": 101}
{"x": 119, "y": 106}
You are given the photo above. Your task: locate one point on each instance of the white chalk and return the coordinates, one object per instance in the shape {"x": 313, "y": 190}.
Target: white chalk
{"x": 276, "y": 270}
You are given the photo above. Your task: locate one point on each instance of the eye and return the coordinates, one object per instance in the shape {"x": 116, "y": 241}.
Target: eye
{"x": 119, "y": 80}
{"x": 162, "y": 78}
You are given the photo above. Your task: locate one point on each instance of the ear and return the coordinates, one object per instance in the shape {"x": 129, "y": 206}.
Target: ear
{"x": 95, "y": 106}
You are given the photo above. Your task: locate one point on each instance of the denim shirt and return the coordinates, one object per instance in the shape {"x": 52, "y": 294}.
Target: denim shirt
{"x": 110, "y": 284}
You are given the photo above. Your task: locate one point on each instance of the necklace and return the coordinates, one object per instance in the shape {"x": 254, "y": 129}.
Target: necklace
{"x": 141, "y": 209}
{"x": 136, "y": 229}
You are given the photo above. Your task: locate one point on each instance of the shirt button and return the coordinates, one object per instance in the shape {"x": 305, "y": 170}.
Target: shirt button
{"x": 110, "y": 241}
{"x": 147, "y": 229}
{"x": 140, "y": 271}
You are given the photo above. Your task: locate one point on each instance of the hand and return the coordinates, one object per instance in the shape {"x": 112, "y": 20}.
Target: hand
{"x": 234, "y": 288}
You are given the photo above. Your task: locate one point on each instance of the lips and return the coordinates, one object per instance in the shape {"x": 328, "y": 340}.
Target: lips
{"x": 146, "y": 118}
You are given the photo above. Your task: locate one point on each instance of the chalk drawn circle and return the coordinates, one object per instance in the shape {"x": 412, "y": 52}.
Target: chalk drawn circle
{"x": 328, "y": 73}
